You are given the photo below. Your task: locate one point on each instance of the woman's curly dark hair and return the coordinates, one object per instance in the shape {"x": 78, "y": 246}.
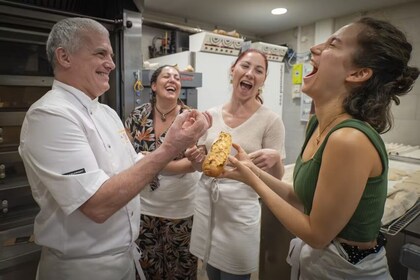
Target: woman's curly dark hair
{"x": 384, "y": 49}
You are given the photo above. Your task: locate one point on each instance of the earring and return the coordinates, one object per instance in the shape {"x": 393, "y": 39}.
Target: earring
{"x": 260, "y": 90}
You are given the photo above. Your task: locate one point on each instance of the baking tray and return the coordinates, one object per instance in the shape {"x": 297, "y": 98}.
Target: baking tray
{"x": 403, "y": 161}
{"x": 397, "y": 225}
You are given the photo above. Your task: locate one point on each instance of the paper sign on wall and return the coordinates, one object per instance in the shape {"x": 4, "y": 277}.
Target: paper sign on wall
{"x": 297, "y": 74}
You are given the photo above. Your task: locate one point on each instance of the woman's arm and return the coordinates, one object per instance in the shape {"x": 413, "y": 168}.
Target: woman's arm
{"x": 270, "y": 157}
{"x": 268, "y": 160}
{"x": 349, "y": 159}
{"x": 178, "y": 167}
{"x": 282, "y": 189}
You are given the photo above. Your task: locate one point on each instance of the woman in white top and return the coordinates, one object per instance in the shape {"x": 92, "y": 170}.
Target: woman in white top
{"x": 167, "y": 204}
{"x": 226, "y": 228}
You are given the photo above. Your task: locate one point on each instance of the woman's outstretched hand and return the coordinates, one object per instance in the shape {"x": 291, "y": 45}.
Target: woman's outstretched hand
{"x": 240, "y": 167}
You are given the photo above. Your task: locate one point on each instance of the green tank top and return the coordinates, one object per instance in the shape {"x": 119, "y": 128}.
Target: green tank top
{"x": 365, "y": 223}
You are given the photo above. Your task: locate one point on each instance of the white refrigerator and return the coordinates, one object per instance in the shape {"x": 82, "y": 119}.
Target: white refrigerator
{"x": 215, "y": 69}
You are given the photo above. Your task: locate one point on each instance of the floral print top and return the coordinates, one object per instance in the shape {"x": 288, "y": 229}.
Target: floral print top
{"x": 140, "y": 126}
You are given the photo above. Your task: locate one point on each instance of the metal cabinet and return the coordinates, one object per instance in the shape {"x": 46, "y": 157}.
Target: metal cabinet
{"x": 17, "y": 207}
{"x": 25, "y": 75}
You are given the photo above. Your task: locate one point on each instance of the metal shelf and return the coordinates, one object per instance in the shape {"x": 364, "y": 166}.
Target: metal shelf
{"x": 15, "y": 80}
{"x": 11, "y": 256}
{"x": 397, "y": 225}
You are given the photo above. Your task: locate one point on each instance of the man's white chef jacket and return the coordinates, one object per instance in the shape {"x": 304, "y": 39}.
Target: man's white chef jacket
{"x": 71, "y": 145}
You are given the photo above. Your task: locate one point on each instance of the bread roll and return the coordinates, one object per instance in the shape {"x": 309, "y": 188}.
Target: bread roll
{"x": 215, "y": 160}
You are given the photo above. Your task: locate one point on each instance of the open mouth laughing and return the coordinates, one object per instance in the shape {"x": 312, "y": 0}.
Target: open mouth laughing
{"x": 246, "y": 85}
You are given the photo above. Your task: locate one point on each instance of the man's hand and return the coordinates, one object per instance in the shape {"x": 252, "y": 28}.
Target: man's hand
{"x": 186, "y": 129}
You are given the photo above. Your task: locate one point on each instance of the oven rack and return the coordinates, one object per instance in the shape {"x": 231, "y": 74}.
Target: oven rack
{"x": 396, "y": 226}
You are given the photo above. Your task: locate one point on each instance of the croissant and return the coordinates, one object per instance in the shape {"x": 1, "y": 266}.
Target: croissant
{"x": 215, "y": 160}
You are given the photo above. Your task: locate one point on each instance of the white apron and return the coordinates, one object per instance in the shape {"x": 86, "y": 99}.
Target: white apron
{"x": 119, "y": 265}
{"x": 226, "y": 227}
{"x": 309, "y": 263}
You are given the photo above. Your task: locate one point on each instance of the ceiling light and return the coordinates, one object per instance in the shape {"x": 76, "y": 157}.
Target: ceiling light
{"x": 279, "y": 11}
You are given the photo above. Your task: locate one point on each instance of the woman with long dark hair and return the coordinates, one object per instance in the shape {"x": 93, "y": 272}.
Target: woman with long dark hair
{"x": 167, "y": 204}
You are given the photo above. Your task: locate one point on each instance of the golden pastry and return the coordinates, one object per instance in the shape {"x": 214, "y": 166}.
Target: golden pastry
{"x": 215, "y": 160}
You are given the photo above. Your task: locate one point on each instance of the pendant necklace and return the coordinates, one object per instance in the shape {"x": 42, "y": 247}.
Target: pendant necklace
{"x": 163, "y": 115}
{"x": 318, "y": 138}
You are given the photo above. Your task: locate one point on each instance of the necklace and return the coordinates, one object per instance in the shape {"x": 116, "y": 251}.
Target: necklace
{"x": 318, "y": 138}
{"x": 163, "y": 115}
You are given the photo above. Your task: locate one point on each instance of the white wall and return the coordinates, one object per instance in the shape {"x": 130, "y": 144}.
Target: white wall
{"x": 295, "y": 128}
{"x": 406, "y": 116}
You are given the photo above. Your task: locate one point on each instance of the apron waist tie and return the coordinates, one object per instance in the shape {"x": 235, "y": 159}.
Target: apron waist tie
{"x": 135, "y": 252}
{"x": 292, "y": 259}
{"x": 214, "y": 194}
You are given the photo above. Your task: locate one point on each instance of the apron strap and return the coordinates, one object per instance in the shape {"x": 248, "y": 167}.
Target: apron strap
{"x": 214, "y": 193}
{"x": 292, "y": 259}
{"x": 135, "y": 251}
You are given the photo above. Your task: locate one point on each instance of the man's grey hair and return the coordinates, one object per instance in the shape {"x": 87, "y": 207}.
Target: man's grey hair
{"x": 69, "y": 34}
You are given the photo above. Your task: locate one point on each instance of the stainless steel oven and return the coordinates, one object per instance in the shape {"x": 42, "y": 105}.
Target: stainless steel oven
{"x": 25, "y": 75}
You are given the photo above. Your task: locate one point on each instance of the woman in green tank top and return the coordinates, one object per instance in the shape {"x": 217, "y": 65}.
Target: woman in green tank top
{"x": 340, "y": 178}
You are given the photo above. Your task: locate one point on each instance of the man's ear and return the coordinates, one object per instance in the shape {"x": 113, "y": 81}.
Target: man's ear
{"x": 360, "y": 75}
{"x": 62, "y": 57}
